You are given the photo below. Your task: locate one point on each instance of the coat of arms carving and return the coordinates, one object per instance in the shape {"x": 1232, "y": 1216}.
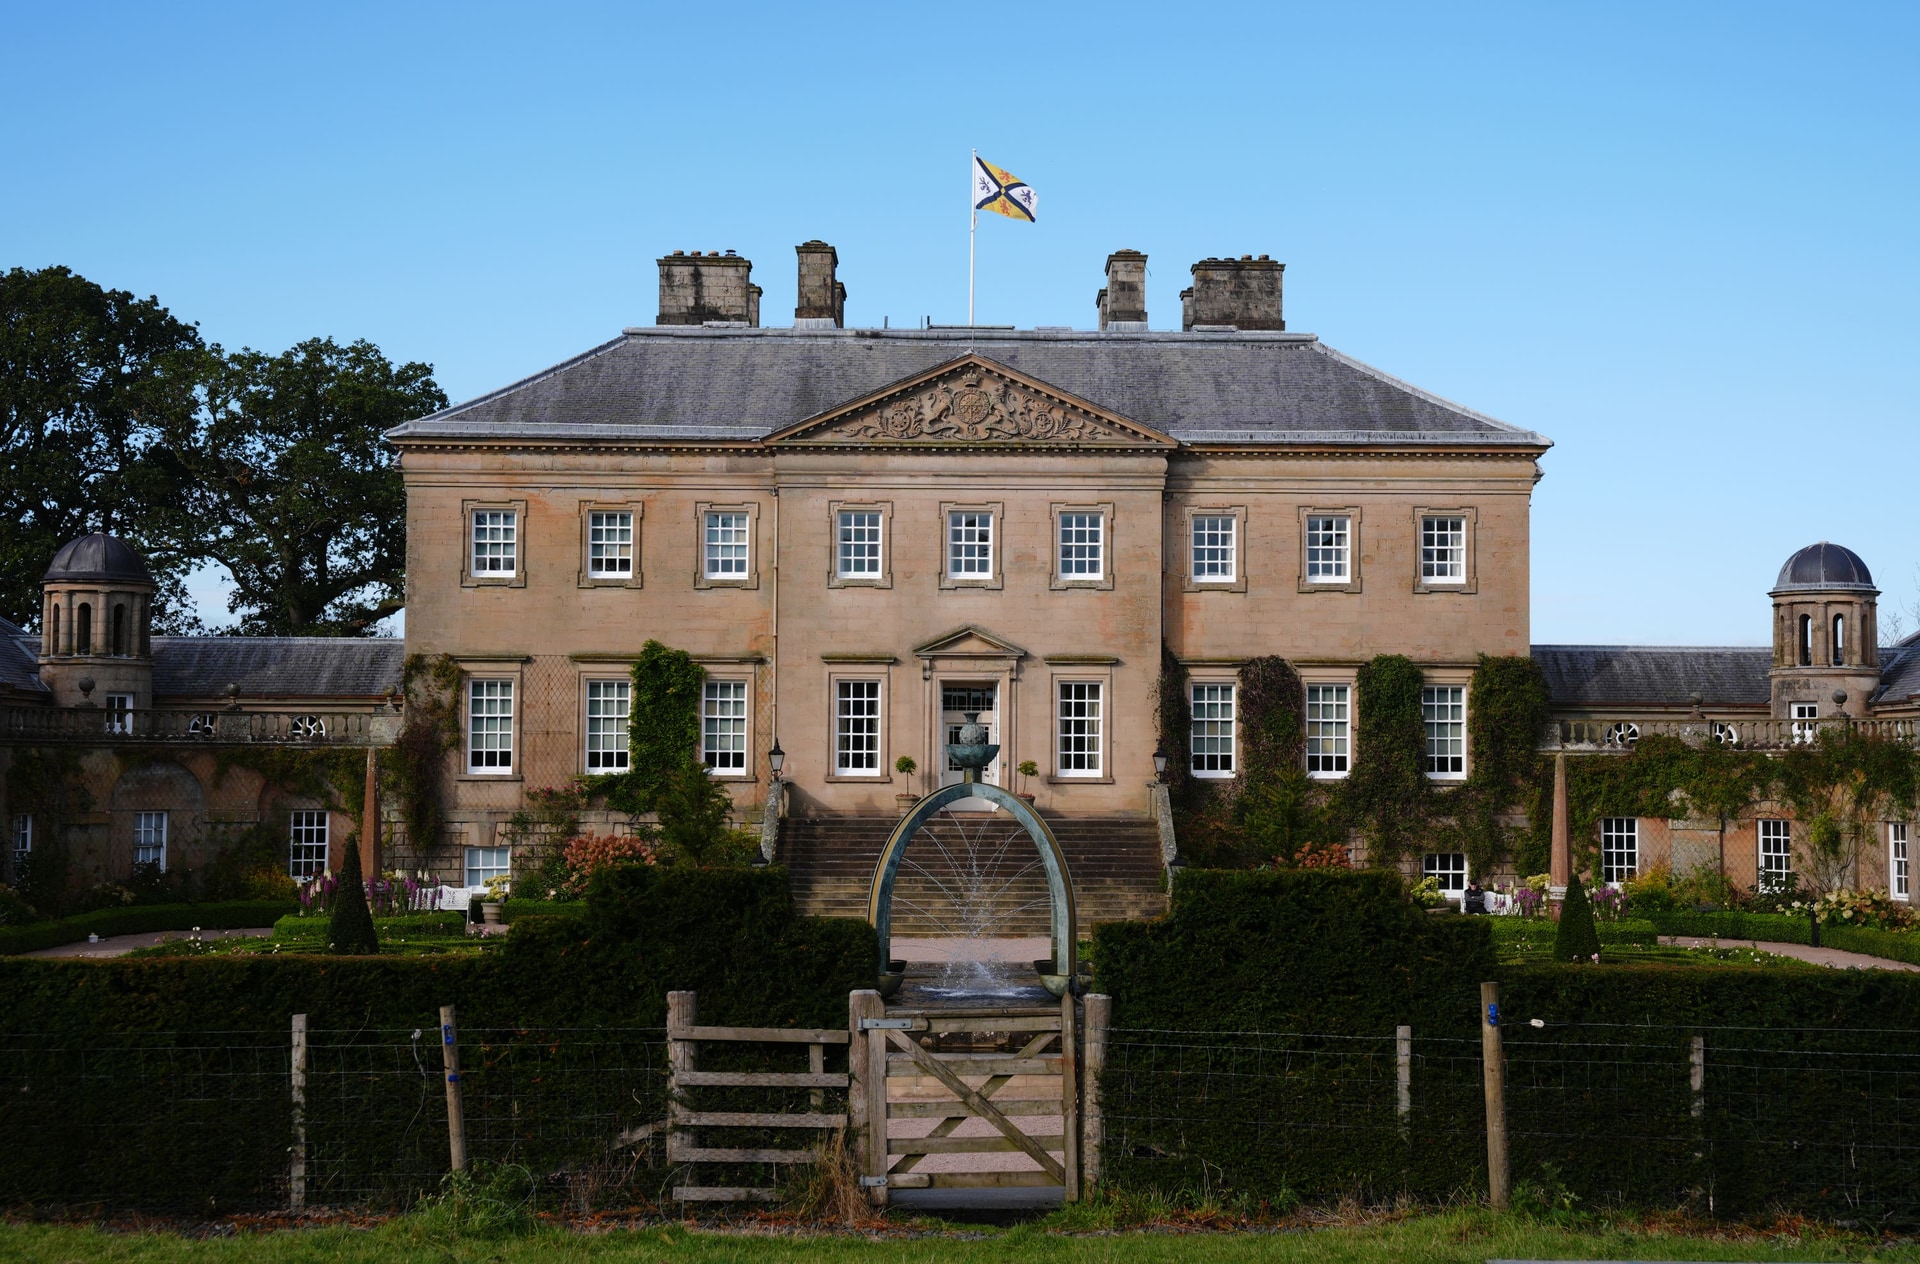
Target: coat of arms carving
{"x": 973, "y": 408}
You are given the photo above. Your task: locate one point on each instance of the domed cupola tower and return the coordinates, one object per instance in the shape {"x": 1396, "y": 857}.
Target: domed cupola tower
{"x": 1826, "y": 635}
{"x": 96, "y": 624}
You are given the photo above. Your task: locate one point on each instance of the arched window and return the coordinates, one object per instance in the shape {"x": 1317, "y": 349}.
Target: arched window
{"x": 53, "y": 630}
{"x": 1839, "y": 640}
{"x": 1806, "y": 640}
{"x": 119, "y": 630}
{"x": 83, "y": 629}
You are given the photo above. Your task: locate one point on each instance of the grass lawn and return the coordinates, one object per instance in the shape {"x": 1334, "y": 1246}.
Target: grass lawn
{"x": 1465, "y": 1237}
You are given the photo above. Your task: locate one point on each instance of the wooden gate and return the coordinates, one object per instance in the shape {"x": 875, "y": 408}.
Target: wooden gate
{"x": 1017, "y": 1068}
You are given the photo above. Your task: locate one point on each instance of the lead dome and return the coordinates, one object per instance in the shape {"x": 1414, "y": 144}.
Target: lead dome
{"x": 100, "y": 558}
{"x": 1824, "y": 567}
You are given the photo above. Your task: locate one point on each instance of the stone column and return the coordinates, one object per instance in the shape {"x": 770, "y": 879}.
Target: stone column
{"x": 370, "y": 821}
{"x": 1562, "y": 864}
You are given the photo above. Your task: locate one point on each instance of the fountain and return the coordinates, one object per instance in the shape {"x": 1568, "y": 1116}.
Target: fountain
{"x": 968, "y": 889}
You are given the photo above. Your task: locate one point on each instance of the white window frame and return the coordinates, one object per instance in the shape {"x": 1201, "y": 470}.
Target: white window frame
{"x": 1803, "y": 715}
{"x": 723, "y": 746}
{"x": 1443, "y": 550}
{"x": 983, "y": 570}
{"x": 859, "y": 545}
{"x": 1619, "y": 849}
{"x": 1211, "y": 532}
{"x": 1448, "y": 731}
{"x": 1329, "y": 722}
{"x": 1079, "y": 729}
{"x": 22, "y": 840}
{"x": 1329, "y": 546}
{"x": 859, "y": 720}
{"x": 1082, "y": 546}
{"x": 708, "y": 517}
{"x": 1899, "y": 861}
{"x": 502, "y": 523}
{"x": 722, "y": 533}
{"x": 119, "y": 712}
{"x": 493, "y": 690}
{"x": 150, "y": 831}
{"x": 1773, "y": 854}
{"x": 307, "y": 830}
{"x": 1446, "y": 866}
{"x": 613, "y": 537}
{"x": 607, "y": 705}
{"x": 481, "y": 863}
{"x": 1213, "y": 739}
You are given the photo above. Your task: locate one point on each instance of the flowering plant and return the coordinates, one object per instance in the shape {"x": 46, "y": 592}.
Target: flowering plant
{"x": 588, "y": 854}
{"x": 1528, "y": 902}
{"x": 1427, "y": 893}
{"x": 1609, "y": 903}
{"x": 1873, "y": 909}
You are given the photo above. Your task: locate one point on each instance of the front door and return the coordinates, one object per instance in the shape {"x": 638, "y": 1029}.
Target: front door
{"x": 957, "y": 702}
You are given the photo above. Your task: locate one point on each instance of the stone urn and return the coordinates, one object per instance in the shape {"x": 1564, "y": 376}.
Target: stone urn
{"x": 490, "y": 912}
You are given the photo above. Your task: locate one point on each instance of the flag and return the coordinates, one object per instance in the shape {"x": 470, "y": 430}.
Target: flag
{"x": 997, "y": 190}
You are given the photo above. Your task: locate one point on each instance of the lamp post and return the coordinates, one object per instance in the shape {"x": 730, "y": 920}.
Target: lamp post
{"x": 1159, "y": 765}
{"x": 776, "y": 758}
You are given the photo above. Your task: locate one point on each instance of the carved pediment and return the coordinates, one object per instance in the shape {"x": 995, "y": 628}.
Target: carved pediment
{"x": 969, "y": 642}
{"x": 970, "y": 402}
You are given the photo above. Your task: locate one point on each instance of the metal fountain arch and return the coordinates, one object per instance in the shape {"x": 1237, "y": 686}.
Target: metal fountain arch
{"x": 1052, "y": 860}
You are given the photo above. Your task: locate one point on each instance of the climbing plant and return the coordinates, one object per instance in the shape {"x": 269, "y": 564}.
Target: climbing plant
{"x": 663, "y": 727}
{"x": 1507, "y": 707}
{"x": 416, "y": 769}
{"x": 1173, "y": 728}
{"x": 1280, "y": 812}
{"x": 1386, "y": 795}
{"x": 1839, "y": 786}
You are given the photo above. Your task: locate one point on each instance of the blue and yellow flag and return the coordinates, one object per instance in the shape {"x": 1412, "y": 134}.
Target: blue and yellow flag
{"x": 997, "y": 190}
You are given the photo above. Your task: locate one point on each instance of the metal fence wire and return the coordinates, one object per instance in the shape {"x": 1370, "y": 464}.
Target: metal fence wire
{"x": 205, "y": 1120}
{"x": 1725, "y": 1121}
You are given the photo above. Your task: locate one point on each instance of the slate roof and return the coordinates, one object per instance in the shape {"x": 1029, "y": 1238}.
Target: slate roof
{"x": 19, "y": 659}
{"x": 1655, "y": 675}
{"x": 1900, "y": 670}
{"x": 698, "y": 383}
{"x": 277, "y": 666}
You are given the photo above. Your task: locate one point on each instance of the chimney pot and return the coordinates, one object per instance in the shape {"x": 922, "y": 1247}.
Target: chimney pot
{"x": 709, "y": 289}
{"x": 1242, "y": 293}
{"x": 1122, "y": 303}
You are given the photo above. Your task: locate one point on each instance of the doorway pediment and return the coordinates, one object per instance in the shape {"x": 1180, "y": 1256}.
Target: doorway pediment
{"x": 971, "y": 402}
{"x": 969, "y": 642}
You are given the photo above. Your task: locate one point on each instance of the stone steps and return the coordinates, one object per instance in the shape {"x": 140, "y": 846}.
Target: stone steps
{"x": 1114, "y": 864}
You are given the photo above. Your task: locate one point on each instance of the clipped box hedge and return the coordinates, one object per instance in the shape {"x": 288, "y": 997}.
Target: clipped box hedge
{"x": 1895, "y": 945}
{"x": 143, "y": 919}
{"x": 314, "y": 928}
{"x": 1777, "y": 928}
{"x": 162, "y": 1082}
{"x": 1538, "y": 932}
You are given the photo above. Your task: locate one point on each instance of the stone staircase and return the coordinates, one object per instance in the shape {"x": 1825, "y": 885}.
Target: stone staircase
{"x": 1114, "y": 863}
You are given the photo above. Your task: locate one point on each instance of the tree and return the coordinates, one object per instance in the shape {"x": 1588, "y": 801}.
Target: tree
{"x": 350, "y": 923}
{"x": 695, "y": 815}
{"x": 1575, "y": 938}
{"x": 285, "y": 482}
{"x": 89, "y": 380}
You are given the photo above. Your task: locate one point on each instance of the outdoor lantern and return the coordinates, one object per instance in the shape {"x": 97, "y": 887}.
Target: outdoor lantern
{"x": 1159, "y": 763}
{"x": 776, "y": 757}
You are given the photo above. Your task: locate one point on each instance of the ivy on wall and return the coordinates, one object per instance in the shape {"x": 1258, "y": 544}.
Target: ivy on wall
{"x": 1173, "y": 727}
{"x": 1507, "y": 708}
{"x": 663, "y": 727}
{"x": 1386, "y": 797}
{"x": 416, "y": 771}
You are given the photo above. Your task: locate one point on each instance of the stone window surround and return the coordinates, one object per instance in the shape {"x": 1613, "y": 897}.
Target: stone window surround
{"x": 700, "y": 511}
{"x": 1351, "y": 584}
{"x": 1470, "y": 582}
{"x": 1342, "y": 674}
{"x": 587, "y": 509}
{"x": 882, "y": 672}
{"x": 1216, "y": 674}
{"x": 590, "y": 674}
{"x": 1100, "y": 673}
{"x": 519, "y": 577}
{"x": 885, "y": 578}
{"x": 1184, "y": 552}
{"x": 996, "y": 512}
{"x": 1460, "y": 678}
{"x": 739, "y": 674}
{"x": 503, "y": 667}
{"x": 1059, "y": 582}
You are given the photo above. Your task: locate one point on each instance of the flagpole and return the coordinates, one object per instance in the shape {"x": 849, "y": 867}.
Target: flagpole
{"x": 973, "y": 231}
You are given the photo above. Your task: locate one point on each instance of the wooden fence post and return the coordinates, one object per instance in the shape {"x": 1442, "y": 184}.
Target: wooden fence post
{"x": 1494, "y": 1069}
{"x": 1070, "y": 1096}
{"x": 867, "y": 1091}
{"x": 297, "y": 1174}
{"x": 1697, "y": 1075}
{"x": 1098, "y": 1018}
{"x": 683, "y": 1011}
{"x": 456, "y": 1106}
{"x": 1403, "y": 1075}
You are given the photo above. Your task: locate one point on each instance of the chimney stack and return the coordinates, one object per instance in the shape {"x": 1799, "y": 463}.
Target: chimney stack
{"x": 1241, "y": 293}
{"x": 823, "y": 300}
{"x": 1123, "y": 303}
{"x": 710, "y": 289}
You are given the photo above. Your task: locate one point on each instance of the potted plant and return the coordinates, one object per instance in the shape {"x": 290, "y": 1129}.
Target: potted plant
{"x": 490, "y": 904}
{"x": 906, "y": 767}
{"x": 1027, "y": 769}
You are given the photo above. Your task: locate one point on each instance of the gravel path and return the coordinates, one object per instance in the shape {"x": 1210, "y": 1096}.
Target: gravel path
{"x": 1818, "y": 956}
{"x": 118, "y": 945}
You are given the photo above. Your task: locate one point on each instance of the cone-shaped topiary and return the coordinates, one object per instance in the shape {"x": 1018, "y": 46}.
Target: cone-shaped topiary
{"x": 1576, "y": 939}
{"x": 350, "y": 925}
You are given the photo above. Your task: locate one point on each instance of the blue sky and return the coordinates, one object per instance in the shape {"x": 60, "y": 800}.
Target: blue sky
{"x": 1678, "y": 239}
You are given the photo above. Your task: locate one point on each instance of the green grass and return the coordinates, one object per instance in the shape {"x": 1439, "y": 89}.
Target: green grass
{"x": 1462, "y": 1237}
{"x": 1530, "y": 941}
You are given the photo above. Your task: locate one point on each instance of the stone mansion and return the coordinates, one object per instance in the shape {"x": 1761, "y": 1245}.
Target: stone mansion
{"x": 866, "y": 535}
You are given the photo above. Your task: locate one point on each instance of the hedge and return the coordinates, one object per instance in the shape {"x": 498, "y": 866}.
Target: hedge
{"x": 162, "y": 1082}
{"x": 143, "y": 919}
{"x": 1894, "y": 945}
{"x": 1253, "y": 1054}
{"x": 512, "y": 910}
{"x": 1529, "y": 933}
{"x": 313, "y": 929}
{"x": 1777, "y": 928}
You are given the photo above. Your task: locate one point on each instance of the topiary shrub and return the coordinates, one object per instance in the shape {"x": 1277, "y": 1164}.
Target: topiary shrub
{"x": 350, "y": 925}
{"x": 1576, "y": 939}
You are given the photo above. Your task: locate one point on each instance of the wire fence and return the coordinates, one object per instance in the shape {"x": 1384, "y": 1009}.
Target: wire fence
{"x": 1724, "y": 1121}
